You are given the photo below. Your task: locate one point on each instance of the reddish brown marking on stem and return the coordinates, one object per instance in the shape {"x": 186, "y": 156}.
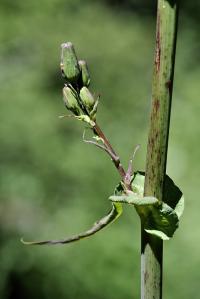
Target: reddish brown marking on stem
{"x": 159, "y": 155}
{"x": 158, "y": 48}
{"x": 156, "y": 105}
{"x": 152, "y": 142}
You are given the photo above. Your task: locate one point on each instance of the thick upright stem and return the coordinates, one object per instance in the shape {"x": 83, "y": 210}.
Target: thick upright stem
{"x": 152, "y": 247}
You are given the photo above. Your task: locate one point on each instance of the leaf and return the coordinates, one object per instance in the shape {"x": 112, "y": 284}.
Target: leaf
{"x": 160, "y": 219}
{"x": 173, "y": 196}
{"x": 115, "y": 212}
{"x": 134, "y": 199}
{"x": 180, "y": 207}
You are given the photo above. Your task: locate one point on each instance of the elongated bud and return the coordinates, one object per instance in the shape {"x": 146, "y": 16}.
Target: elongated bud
{"x": 85, "y": 75}
{"x": 69, "y": 63}
{"x": 87, "y": 98}
{"x": 70, "y": 100}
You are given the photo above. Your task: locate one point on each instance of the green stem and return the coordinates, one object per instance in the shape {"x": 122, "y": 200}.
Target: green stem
{"x": 152, "y": 247}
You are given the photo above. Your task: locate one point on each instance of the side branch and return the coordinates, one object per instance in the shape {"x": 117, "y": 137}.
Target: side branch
{"x": 115, "y": 158}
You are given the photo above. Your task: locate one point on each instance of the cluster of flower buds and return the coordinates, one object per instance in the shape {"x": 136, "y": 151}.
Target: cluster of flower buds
{"x": 76, "y": 95}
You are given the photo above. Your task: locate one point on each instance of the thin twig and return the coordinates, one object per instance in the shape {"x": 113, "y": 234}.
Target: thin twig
{"x": 103, "y": 147}
{"x": 130, "y": 171}
{"x": 115, "y": 159}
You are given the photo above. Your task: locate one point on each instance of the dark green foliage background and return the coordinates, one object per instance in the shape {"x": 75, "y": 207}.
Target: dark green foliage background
{"x": 52, "y": 184}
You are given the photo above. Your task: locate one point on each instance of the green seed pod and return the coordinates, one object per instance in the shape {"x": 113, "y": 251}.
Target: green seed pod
{"x": 70, "y": 100}
{"x": 69, "y": 63}
{"x": 87, "y": 98}
{"x": 85, "y": 75}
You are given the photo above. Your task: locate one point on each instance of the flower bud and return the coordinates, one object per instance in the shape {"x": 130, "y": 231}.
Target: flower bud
{"x": 85, "y": 76}
{"x": 87, "y": 98}
{"x": 69, "y": 63}
{"x": 70, "y": 100}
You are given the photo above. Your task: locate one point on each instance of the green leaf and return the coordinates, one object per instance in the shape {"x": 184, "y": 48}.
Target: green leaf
{"x": 160, "y": 219}
{"x": 173, "y": 196}
{"x": 134, "y": 199}
{"x": 180, "y": 207}
{"x": 138, "y": 183}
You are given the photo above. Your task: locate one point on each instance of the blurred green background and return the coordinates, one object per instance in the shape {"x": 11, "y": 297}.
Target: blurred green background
{"x": 53, "y": 185}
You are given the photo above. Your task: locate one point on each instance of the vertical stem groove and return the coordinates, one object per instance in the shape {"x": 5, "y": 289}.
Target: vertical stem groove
{"x": 162, "y": 84}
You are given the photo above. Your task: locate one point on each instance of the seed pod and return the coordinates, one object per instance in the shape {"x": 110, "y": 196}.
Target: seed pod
{"x": 69, "y": 63}
{"x": 85, "y": 75}
{"x": 70, "y": 100}
{"x": 87, "y": 98}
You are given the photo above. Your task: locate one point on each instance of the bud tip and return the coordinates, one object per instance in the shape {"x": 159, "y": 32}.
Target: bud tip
{"x": 66, "y": 45}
